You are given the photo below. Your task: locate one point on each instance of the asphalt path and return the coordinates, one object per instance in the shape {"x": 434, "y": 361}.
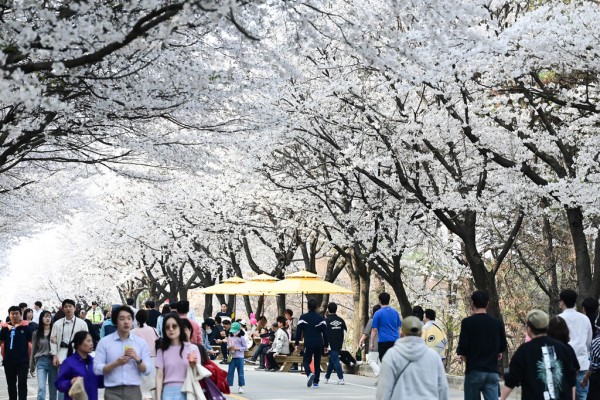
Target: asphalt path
{"x": 276, "y": 386}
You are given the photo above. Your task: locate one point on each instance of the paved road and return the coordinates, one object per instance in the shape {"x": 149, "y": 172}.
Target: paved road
{"x": 276, "y": 386}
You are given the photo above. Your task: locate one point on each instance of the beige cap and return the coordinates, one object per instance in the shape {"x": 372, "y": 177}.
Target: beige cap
{"x": 412, "y": 326}
{"x": 538, "y": 319}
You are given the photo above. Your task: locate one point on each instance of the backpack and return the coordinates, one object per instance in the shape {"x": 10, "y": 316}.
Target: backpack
{"x": 108, "y": 329}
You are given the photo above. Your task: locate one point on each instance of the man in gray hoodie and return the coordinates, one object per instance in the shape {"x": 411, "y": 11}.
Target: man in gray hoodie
{"x": 410, "y": 369}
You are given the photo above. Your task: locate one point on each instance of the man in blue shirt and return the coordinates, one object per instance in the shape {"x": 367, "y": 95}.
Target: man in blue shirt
{"x": 386, "y": 326}
{"x": 15, "y": 338}
{"x": 122, "y": 358}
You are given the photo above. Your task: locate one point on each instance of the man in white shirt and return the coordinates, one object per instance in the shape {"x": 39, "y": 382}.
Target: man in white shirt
{"x": 62, "y": 334}
{"x": 37, "y": 310}
{"x": 580, "y": 333}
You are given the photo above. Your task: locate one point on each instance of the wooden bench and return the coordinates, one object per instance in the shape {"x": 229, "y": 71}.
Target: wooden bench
{"x": 288, "y": 361}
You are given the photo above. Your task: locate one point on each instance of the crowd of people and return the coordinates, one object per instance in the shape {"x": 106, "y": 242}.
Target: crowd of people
{"x": 167, "y": 355}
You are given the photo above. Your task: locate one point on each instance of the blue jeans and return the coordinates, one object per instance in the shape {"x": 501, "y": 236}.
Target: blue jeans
{"x": 46, "y": 374}
{"x": 173, "y": 392}
{"x": 236, "y": 363}
{"x": 581, "y": 392}
{"x": 334, "y": 363}
{"x": 478, "y": 383}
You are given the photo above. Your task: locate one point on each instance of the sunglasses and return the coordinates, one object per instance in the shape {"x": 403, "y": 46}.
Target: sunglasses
{"x": 171, "y": 327}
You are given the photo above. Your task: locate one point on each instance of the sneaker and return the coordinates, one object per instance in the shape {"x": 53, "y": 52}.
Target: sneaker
{"x": 315, "y": 385}
{"x": 341, "y": 382}
{"x": 359, "y": 363}
{"x": 260, "y": 369}
{"x": 326, "y": 380}
{"x": 241, "y": 389}
{"x": 311, "y": 379}
{"x": 250, "y": 361}
{"x": 293, "y": 369}
{"x": 224, "y": 362}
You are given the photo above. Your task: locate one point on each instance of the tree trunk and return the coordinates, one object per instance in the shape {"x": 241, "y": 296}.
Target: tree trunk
{"x": 550, "y": 263}
{"x": 208, "y": 306}
{"x": 280, "y": 304}
{"x": 582, "y": 256}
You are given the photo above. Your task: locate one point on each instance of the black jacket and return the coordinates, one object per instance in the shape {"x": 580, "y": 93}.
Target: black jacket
{"x": 335, "y": 332}
{"x": 314, "y": 329}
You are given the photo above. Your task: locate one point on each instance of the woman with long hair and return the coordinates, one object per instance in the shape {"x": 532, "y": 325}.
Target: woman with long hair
{"x": 175, "y": 353}
{"x": 80, "y": 365}
{"x": 40, "y": 359}
{"x": 150, "y": 336}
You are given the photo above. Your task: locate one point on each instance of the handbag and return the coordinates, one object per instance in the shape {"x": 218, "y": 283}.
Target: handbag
{"x": 211, "y": 391}
{"x": 77, "y": 391}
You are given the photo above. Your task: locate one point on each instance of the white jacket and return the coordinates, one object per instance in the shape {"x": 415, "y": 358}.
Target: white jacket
{"x": 281, "y": 343}
{"x": 63, "y": 330}
{"x": 411, "y": 370}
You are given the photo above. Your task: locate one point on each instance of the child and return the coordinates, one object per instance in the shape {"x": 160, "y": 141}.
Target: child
{"x": 265, "y": 343}
{"x": 236, "y": 344}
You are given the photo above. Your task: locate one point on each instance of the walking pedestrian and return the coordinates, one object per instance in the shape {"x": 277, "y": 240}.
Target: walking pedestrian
{"x": 41, "y": 360}
{"x": 37, "y": 311}
{"x": 15, "y": 338}
{"x": 373, "y": 354}
{"x": 410, "y": 369}
{"x": 481, "y": 343}
{"x": 90, "y": 327}
{"x": 80, "y": 367}
{"x": 236, "y": 344}
{"x": 543, "y": 367}
{"x": 107, "y": 326}
{"x": 313, "y": 328}
{"x": 166, "y": 309}
{"x": 580, "y": 333}
{"x": 95, "y": 314}
{"x": 153, "y": 313}
{"x": 183, "y": 308}
{"x": 589, "y": 307}
{"x": 434, "y": 334}
{"x": 150, "y": 336}
{"x": 122, "y": 358}
{"x": 63, "y": 332}
{"x": 175, "y": 353}
{"x": 336, "y": 327}
{"x": 386, "y": 326}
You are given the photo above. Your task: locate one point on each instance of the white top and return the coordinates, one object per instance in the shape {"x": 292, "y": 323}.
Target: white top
{"x": 64, "y": 330}
{"x": 580, "y": 333}
{"x": 36, "y": 315}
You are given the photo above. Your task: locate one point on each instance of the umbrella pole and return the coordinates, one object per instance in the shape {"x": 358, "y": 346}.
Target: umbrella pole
{"x": 302, "y": 295}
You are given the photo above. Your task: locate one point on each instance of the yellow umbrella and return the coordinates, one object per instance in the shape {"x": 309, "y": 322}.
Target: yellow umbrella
{"x": 307, "y": 283}
{"x": 259, "y": 285}
{"x": 227, "y": 287}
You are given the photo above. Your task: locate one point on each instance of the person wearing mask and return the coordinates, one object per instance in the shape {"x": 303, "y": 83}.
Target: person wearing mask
{"x": 236, "y": 344}
{"x": 150, "y": 336}
{"x": 336, "y": 327}
{"x": 122, "y": 358}
{"x": 15, "y": 337}
{"x": 80, "y": 366}
{"x": 63, "y": 332}
{"x": 313, "y": 328}
{"x": 175, "y": 353}
{"x": 40, "y": 359}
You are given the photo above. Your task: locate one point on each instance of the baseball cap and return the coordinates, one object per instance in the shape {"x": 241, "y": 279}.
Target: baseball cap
{"x": 235, "y": 328}
{"x": 412, "y": 326}
{"x": 242, "y": 322}
{"x": 538, "y": 319}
